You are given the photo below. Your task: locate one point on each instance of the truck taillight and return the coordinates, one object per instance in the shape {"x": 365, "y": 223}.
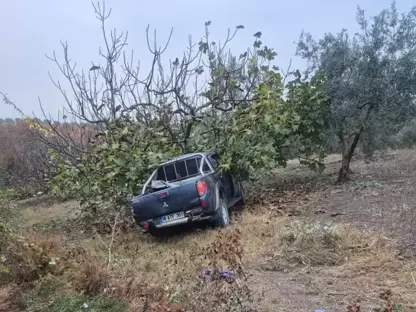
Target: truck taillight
{"x": 201, "y": 188}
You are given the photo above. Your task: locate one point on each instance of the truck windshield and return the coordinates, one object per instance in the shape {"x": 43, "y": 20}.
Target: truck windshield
{"x": 179, "y": 170}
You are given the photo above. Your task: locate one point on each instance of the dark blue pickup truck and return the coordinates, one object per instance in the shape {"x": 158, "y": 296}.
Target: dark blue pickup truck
{"x": 187, "y": 189}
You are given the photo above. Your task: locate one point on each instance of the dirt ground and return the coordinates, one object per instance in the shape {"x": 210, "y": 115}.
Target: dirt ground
{"x": 380, "y": 199}
{"x": 376, "y": 212}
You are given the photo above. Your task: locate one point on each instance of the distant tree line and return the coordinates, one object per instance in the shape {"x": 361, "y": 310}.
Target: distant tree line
{"x": 15, "y": 121}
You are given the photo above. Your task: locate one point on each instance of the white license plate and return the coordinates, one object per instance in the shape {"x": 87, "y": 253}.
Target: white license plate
{"x": 171, "y": 217}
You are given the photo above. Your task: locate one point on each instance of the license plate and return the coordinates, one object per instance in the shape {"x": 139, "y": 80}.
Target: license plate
{"x": 171, "y": 217}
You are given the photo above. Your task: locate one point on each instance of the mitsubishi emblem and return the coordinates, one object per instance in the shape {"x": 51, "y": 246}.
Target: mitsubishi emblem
{"x": 165, "y": 205}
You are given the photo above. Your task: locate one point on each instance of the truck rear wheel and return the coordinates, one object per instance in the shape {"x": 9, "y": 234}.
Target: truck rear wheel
{"x": 222, "y": 217}
{"x": 155, "y": 232}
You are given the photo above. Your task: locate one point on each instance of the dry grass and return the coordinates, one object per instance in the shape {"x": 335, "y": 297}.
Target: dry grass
{"x": 170, "y": 270}
{"x": 42, "y": 213}
{"x": 91, "y": 278}
{"x": 292, "y": 263}
{"x": 10, "y": 299}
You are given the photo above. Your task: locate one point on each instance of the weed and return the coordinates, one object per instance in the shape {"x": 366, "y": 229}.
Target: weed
{"x": 313, "y": 243}
{"x": 228, "y": 291}
{"x": 92, "y": 278}
{"x": 364, "y": 184}
{"x": 44, "y": 291}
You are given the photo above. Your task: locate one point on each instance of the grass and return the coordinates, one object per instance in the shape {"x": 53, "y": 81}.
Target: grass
{"x": 279, "y": 261}
{"x": 10, "y": 299}
{"x": 82, "y": 304}
{"x": 169, "y": 271}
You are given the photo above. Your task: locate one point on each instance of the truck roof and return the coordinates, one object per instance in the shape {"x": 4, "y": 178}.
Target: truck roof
{"x": 182, "y": 157}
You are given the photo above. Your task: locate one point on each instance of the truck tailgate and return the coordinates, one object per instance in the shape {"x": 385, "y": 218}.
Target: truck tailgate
{"x": 176, "y": 198}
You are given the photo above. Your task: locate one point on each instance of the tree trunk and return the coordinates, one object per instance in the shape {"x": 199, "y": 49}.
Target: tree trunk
{"x": 347, "y": 152}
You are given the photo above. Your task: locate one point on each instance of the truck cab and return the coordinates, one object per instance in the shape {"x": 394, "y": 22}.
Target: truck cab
{"x": 186, "y": 189}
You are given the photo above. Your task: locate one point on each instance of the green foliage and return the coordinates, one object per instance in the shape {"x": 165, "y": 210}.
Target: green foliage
{"x": 251, "y": 141}
{"x": 244, "y": 112}
{"x": 117, "y": 165}
{"x": 406, "y": 137}
{"x": 369, "y": 76}
{"x": 254, "y": 140}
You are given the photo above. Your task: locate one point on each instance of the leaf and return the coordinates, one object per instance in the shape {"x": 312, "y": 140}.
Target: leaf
{"x": 257, "y": 35}
{"x": 94, "y": 67}
{"x": 243, "y": 55}
{"x": 257, "y": 44}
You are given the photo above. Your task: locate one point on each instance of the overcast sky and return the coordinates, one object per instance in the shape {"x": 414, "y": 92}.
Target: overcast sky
{"x": 30, "y": 29}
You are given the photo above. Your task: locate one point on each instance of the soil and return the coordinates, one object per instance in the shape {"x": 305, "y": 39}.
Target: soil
{"x": 380, "y": 197}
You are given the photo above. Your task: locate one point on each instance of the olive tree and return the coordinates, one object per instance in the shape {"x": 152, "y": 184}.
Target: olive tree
{"x": 370, "y": 77}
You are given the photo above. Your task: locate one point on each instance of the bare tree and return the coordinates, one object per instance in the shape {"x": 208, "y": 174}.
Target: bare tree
{"x": 207, "y": 80}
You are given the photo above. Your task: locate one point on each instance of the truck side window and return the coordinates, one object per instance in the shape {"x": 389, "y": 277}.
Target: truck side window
{"x": 161, "y": 174}
{"x": 181, "y": 169}
{"x": 214, "y": 160}
{"x": 192, "y": 166}
{"x": 206, "y": 168}
{"x": 170, "y": 172}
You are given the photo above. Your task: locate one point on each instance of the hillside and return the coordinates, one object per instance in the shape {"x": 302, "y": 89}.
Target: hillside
{"x": 305, "y": 244}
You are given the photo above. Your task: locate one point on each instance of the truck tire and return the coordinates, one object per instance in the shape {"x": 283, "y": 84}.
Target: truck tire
{"x": 155, "y": 232}
{"x": 242, "y": 201}
{"x": 222, "y": 217}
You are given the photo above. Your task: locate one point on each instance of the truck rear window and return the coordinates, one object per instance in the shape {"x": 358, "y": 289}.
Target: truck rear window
{"x": 179, "y": 170}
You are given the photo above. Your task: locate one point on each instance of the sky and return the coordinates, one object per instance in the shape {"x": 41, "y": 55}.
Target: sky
{"x": 29, "y": 30}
